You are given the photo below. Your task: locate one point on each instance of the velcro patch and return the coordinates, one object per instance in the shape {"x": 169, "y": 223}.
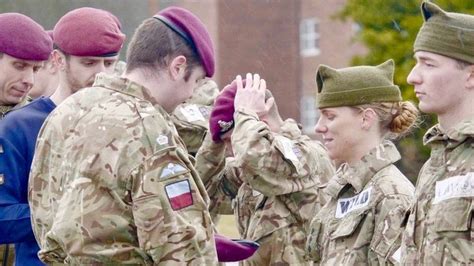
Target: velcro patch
{"x": 289, "y": 149}
{"x": 461, "y": 186}
{"x": 192, "y": 113}
{"x": 179, "y": 194}
{"x": 172, "y": 169}
{"x": 348, "y": 205}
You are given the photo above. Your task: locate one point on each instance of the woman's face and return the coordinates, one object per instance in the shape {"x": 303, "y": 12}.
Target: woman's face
{"x": 341, "y": 129}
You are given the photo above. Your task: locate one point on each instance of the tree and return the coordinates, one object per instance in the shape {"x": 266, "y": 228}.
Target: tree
{"x": 388, "y": 29}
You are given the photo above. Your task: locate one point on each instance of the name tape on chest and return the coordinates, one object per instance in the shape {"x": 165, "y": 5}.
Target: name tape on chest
{"x": 192, "y": 113}
{"x": 348, "y": 205}
{"x": 179, "y": 194}
{"x": 461, "y": 186}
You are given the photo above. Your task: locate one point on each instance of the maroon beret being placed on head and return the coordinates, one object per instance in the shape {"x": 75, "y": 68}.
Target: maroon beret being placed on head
{"x": 89, "y": 31}
{"x": 221, "y": 119}
{"x": 190, "y": 27}
{"x": 23, "y": 38}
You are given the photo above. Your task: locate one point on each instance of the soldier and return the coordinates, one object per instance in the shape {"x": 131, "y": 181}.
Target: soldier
{"x": 24, "y": 45}
{"x": 20, "y": 59}
{"x": 274, "y": 173}
{"x": 361, "y": 110}
{"x": 440, "y": 225}
{"x": 111, "y": 181}
{"x": 47, "y": 77}
{"x": 79, "y": 59}
{"x": 191, "y": 118}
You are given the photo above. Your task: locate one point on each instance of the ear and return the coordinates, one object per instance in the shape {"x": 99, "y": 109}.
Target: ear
{"x": 387, "y": 68}
{"x": 177, "y": 67}
{"x": 369, "y": 118}
{"x": 324, "y": 72}
{"x": 470, "y": 78}
{"x": 429, "y": 9}
{"x": 58, "y": 60}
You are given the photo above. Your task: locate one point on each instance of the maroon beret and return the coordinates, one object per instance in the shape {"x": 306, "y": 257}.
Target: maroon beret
{"x": 191, "y": 28}
{"x": 89, "y": 31}
{"x": 234, "y": 249}
{"x": 50, "y": 33}
{"x": 23, "y": 38}
{"x": 221, "y": 119}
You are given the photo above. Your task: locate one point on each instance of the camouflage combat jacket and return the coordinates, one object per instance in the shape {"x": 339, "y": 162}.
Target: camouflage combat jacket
{"x": 219, "y": 175}
{"x": 440, "y": 226}
{"x": 112, "y": 183}
{"x": 361, "y": 223}
{"x": 192, "y": 117}
{"x": 282, "y": 173}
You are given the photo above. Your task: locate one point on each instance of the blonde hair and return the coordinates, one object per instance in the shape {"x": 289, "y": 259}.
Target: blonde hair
{"x": 397, "y": 119}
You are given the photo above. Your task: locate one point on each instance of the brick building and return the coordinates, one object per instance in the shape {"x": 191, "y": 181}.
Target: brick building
{"x": 283, "y": 40}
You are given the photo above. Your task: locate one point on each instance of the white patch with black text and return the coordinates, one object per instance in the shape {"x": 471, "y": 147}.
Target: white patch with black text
{"x": 348, "y": 205}
{"x": 461, "y": 186}
{"x": 288, "y": 148}
{"x": 192, "y": 113}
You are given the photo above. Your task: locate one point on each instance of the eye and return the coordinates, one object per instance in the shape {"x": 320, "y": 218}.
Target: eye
{"x": 36, "y": 68}
{"x": 108, "y": 63}
{"x": 19, "y": 66}
{"x": 88, "y": 63}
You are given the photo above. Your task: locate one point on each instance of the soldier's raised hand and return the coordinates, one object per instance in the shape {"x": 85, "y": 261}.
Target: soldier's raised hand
{"x": 251, "y": 96}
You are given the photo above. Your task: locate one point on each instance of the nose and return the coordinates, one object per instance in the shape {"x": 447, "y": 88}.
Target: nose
{"x": 29, "y": 78}
{"x": 320, "y": 127}
{"x": 414, "y": 77}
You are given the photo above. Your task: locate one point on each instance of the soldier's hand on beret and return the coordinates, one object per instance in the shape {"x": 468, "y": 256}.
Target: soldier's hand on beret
{"x": 251, "y": 96}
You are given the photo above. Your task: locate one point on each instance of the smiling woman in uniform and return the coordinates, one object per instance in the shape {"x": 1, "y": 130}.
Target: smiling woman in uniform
{"x": 361, "y": 110}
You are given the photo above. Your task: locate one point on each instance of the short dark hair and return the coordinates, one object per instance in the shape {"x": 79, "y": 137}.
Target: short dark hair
{"x": 153, "y": 44}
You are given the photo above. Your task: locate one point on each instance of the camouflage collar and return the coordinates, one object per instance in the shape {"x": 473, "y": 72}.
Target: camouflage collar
{"x": 7, "y": 108}
{"x": 123, "y": 85}
{"x": 4, "y": 109}
{"x": 453, "y": 137}
{"x": 359, "y": 174}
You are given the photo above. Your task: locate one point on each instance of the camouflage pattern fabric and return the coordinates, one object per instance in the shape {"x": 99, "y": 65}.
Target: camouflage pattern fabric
{"x": 440, "y": 225}
{"x": 192, "y": 117}
{"x": 219, "y": 175}
{"x": 112, "y": 183}
{"x": 4, "y": 109}
{"x": 362, "y": 222}
{"x": 282, "y": 172}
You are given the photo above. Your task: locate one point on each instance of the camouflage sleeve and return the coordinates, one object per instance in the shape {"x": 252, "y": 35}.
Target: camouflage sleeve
{"x": 170, "y": 211}
{"x": 44, "y": 188}
{"x": 274, "y": 164}
{"x": 219, "y": 176}
{"x": 386, "y": 240}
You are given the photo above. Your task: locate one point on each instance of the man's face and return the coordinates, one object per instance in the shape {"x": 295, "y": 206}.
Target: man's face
{"x": 80, "y": 71}
{"x": 439, "y": 83}
{"x": 46, "y": 80}
{"x": 184, "y": 88}
{"x": 16, "y": 78}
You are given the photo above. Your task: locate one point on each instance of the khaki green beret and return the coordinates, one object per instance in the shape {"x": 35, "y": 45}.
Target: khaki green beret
{"x": 444, "y": 33}
{"x": 356, "y": 85}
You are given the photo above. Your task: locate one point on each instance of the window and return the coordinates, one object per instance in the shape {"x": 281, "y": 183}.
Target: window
{"x": 309, "y": 113}
{"x": 309, "y": 37}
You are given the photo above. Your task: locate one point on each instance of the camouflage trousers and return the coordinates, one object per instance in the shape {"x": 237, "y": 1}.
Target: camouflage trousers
{"x": 284, "y": 246}
{"x": 10, "y": 253}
